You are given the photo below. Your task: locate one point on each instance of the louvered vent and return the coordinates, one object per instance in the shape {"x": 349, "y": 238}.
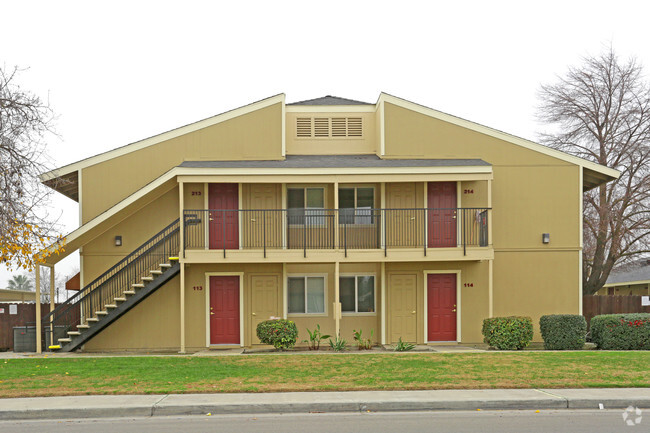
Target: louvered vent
{"x": 325, "y": 127}
{"x": 303, "y": 127}
{"x": 321, "y": 127}
{"x": 354, "y": 127}
{"x": 338, "y": 127}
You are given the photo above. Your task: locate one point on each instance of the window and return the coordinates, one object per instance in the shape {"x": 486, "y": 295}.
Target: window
{"x": 306, "y": 206}
{"x": 306, "y": 295}
{"x": 357, "y": 294}
{"x": 356, "y": 205}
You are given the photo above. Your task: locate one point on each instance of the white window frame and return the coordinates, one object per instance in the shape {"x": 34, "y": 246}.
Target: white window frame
{"x": 307, "y": 209}
{"x": 356, "y": 294}
{"x": 356, "y": 207}
{"x": 325, "y": 290}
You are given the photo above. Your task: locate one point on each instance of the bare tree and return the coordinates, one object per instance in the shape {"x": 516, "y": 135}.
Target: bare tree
{"x": 24, "y": 122}
{"x": 600, "y": 111}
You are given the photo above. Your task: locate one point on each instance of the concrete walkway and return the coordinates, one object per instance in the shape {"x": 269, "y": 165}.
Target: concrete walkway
{"x": 305, "y": 402}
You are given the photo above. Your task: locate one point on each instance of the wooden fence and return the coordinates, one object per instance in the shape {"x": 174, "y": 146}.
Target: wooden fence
{"x": 593, "y": 305}
{"x": 26, "y": 313}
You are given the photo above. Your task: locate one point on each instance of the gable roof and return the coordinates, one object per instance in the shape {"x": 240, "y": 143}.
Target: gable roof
{"x": 330, "y": 100}
{"x": 64, "y": 179}
{"x": 593, "y": 174}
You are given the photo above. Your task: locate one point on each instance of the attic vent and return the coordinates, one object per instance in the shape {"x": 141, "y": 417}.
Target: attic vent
{"x": 321, "y": 127}
{"x": 326, "y": 127}
{"x": 303, "y": 127}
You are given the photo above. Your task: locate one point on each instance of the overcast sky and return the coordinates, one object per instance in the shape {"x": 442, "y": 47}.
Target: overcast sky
{"x": 117, "y": 72}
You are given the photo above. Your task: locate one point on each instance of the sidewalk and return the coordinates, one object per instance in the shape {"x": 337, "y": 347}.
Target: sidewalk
{"x": 305, "y": 402}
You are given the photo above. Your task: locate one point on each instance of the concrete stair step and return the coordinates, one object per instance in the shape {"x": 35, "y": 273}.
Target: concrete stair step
{"x": 129, "y": 292}
{"x": 74, "y": 333}
{"x": 65, "y": 340}
{"x": 83, "y": 326}
{"x": 155, "y": 272}
{"x": 101, "y": 313}
{"x": 110, "y": 306}
{"x": 92, "y": 319}
{"x": 147, "y": 278}
{"x": 165, "y": 265}
{"x": 137, "y": 285}
{"x": 120, "y": 299}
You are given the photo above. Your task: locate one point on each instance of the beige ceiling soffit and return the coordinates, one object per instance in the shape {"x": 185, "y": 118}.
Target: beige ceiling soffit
{"x": 385, "y": 97}
{"x": 132, "y": 147}
{"x": 93, "y": 223}
{"x": 7, "y": 295}
{"x": 331, "y": 108}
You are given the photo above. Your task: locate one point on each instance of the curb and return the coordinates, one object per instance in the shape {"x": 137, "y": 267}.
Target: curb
{"x": 317, "y": 402}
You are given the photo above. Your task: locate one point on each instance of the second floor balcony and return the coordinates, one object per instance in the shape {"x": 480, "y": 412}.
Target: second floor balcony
{"x": 422, "y": 233}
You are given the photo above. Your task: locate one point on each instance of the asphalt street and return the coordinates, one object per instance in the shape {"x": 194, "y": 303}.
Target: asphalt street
{"x": 574, "y": 421}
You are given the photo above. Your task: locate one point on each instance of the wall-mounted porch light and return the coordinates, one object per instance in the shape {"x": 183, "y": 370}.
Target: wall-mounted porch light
{"x": 118, "y": 241}
{"x": 546, "y": 238}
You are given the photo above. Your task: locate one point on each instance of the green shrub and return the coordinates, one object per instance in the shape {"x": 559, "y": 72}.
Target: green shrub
{"x": 563, "y": 331}
{"x": 338, "y": 345}
{"x": 280, "y": 333}
{"x": 508, "y": 333}
{"x": 629, "y": 331}
{"x": 402, "y": 346}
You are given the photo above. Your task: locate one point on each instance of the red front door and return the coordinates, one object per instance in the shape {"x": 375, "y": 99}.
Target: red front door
{"x": 441, "y": 307}
{"x": 224, "y": 310}
{"x": 223, "y": 201}
{"x": 441, "y": 218}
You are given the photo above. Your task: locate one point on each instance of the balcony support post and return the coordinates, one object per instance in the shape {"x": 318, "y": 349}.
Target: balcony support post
{"x": 337, "y": 304}
{"x": 336, "y": 215}
{"x": 285, "y": 300}
{"x": 383, "y": 302}
{"x": 52, "y": 303}
{"x": 38, "y": 308}
{"x": 425, "y": 200}
{"x": 181, "y": 209}
{"x": 182, "y": 307}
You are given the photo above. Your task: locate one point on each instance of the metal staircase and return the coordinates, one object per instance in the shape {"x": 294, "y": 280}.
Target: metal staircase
{"x": 114, "y": 292}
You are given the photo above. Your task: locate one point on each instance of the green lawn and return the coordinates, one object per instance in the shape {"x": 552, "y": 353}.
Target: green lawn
{"x": 326, "y": 372}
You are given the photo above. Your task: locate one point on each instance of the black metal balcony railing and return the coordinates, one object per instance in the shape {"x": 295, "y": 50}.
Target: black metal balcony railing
{"x": 323, "y": 229}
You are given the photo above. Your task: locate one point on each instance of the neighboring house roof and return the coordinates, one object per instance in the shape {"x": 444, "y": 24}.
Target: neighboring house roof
{"x": 336, "y": 161}
{"x": 330, "y": 100}
{"x": 638, "y": 275}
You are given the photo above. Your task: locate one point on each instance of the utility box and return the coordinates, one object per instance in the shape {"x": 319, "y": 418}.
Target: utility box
{"x": 25, "y": 337}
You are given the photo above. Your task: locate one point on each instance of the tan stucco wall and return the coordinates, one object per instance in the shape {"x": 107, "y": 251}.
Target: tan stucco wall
{"x": 325, "y": 146}
{"x": 473, "y": 306}
{"x": 535, "y": 283}
{"x": 101, "y": 253}
{"x": 257, "y": 135}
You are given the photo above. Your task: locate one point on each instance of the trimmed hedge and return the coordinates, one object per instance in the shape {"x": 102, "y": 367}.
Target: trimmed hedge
{"x": 629, "y": 331}
{"x": 563, "y": 331}
{"x": 508, "y": 333}
{"x": 280, "y": 333}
